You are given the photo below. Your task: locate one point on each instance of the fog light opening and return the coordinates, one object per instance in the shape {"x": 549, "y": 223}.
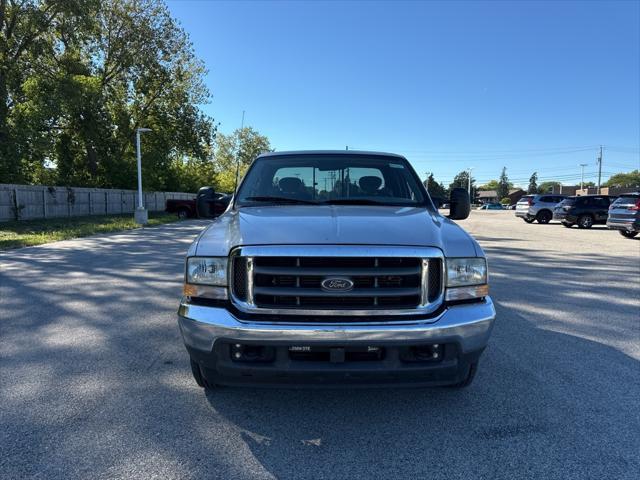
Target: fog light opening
{"x": 424, "y": 353}
{"x": 252, "y": 353}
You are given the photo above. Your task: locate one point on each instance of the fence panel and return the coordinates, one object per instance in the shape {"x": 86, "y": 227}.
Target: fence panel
{"x": 25, "y": 202}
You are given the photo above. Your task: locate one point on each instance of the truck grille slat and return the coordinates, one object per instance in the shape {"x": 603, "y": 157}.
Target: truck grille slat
{"x": 275, "y": 270}
{"x": 375, "y": 284}
{"x": 316, "y": 292}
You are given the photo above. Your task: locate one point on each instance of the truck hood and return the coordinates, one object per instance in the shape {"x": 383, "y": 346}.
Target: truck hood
{"x": 334, "y": 225}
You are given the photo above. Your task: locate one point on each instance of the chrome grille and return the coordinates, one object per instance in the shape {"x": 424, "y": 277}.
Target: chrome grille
{"x": 384, "y": 280}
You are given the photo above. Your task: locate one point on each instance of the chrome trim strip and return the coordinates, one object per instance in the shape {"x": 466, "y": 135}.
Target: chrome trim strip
{"x": 424, "y": 282}
{"x": 250, "y": 281}
{"x": 335, "y": 251}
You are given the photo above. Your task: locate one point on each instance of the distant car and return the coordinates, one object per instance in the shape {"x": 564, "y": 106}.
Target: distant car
{"x": 624, "y": 215}
{"x": 538, "y": 207}
{"x": 585, "y": 211}
{"x": 491, "y": 206}
{"x": 511, "y": 207}
{"x": 187, "y": 208}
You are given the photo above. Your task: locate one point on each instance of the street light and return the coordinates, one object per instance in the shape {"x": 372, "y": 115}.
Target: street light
{"x": 469, "y": 180}
{"x": 582, "y": 175}
{"x": 141, "y": 216}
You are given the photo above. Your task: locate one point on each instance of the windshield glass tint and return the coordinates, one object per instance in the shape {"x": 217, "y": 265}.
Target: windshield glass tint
{"x": 568, "y": 201}
{"x": 331, "y": 179}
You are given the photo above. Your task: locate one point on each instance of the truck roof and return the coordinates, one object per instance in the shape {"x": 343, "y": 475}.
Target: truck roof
{"x": 328, "y": 152}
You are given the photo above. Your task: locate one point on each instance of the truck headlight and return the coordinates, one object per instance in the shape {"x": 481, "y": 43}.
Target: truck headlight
{"x": 466, "y": 278}
{"x": 207, "y": 271}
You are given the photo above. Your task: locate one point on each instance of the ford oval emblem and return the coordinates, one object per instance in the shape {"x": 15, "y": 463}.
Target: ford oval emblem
{"x": 335, "y": 284}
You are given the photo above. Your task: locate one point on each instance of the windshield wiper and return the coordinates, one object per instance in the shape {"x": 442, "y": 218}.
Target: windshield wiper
{"x": 356, "y": 201}
{"x": 267, "y": 198}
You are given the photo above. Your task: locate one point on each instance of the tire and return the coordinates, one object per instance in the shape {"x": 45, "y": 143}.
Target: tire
{"x": 183, "y": 213}
{"x": 628, "y": 234}
{"x": 585, "y": 221}
{"x": 528, "y": 220}
{"x": 568, "y": 225}
{"x": 200, "y": 379}
{"x": 473, "y": 368}
{"x": 197, "y": 374}
{"x": 544, "y": 217}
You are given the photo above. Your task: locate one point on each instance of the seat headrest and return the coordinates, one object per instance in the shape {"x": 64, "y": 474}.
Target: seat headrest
{"x": 291, "y": 185}
{"x": 370, "y": 184}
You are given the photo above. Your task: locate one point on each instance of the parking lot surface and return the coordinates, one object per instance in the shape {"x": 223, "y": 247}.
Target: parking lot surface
{"x": 95, "y": 381}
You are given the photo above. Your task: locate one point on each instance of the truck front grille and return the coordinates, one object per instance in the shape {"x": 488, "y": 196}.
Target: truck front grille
{"x": 372, "y": 285}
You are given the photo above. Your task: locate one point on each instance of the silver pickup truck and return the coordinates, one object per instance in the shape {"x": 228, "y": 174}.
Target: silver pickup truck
{"x": 333, "y": 268}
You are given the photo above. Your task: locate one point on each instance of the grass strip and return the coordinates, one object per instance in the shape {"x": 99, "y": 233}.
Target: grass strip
{"x": 25, "y": 233}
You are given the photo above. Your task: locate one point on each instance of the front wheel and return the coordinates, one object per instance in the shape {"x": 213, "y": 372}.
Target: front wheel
{"x": 544, "y": 217}
{"x": 468, "y": 380}
{"x": 183, "y": 213}
{"x": 627, "y": 233}
{"x": 528, "y": 219}
{"x": 585, "y": 221}
{"x": 198, "y": 377}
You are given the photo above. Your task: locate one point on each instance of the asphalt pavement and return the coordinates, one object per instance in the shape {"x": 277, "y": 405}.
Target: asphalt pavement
{"x": 95, "y": 381}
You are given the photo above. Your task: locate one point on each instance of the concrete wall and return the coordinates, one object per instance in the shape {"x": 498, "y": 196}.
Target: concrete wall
{"x": 26, "y": 202}
{"x": 607, "y": 190}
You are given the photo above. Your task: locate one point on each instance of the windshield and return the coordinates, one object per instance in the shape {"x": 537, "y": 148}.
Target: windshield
{"x": 331, "y": 179}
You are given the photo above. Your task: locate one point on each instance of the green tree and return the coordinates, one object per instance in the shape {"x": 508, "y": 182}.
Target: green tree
{"x": 630, "y": 179}
{"x": 28, "y": 33}
{"x": 546, "y": 187}
{"x": 84, "y": 82}
{"x": 490, "y": 185}
{"x": 434, "y": 188}
{"x": 236, "y": 150}
{"x": 533, "y": 183}
{"x": 505, "y": 201}
{"x": 461, "y": 180}
{"x": 503, "y": 184}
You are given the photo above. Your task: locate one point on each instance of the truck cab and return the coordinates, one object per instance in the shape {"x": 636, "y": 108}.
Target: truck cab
{"x": 335, "y": 268}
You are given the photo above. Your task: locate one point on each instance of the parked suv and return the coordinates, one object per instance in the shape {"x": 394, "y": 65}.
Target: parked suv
{"x": 624, "y": 215}
{"x": 585, "y": 211}
{"x": 538, "y": 207}
{"x": 332, "y": 268}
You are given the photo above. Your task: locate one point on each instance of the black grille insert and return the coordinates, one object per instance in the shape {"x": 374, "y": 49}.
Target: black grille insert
{"x": 296, "y": 282}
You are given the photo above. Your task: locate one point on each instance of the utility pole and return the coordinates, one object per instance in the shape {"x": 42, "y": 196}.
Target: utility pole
{"x": 469, "y": 182}
{"x": 238, "y": 153}
{"x": 599, "y": 169}
{"x": 582, "y": 175}
{"x": 428, "y": 174}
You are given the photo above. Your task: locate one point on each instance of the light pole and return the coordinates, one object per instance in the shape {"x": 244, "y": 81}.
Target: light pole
{"x": 582, "y": 175}
{"x": 141, "y": 216}
{"x": 469, "y": 180}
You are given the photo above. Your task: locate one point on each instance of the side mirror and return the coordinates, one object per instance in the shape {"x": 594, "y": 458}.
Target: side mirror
{"x": 460, "y": 204}
{"x": 204, "y": 202}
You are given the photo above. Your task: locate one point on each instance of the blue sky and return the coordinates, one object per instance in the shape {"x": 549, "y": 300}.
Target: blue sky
{"x": 526, "y": 85}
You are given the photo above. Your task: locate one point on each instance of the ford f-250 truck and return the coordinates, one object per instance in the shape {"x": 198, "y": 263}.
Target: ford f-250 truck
{"x": 333, "y": 268}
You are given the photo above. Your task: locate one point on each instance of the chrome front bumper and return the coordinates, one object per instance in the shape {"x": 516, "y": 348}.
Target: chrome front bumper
{"x": 467, "y": 325}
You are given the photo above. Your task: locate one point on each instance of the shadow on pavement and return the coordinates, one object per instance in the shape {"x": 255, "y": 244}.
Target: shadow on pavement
{"x": 95, "y": 380}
